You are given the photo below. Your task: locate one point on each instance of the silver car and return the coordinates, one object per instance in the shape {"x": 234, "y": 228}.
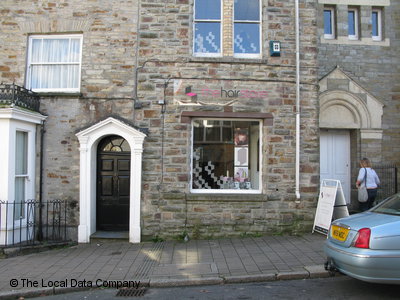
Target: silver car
{"x": 366, "y": 246}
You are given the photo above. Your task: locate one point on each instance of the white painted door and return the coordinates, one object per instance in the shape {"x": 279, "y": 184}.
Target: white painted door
{"x": 335, "y": 158}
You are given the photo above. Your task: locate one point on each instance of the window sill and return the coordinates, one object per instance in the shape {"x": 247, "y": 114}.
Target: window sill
{"x": 228, "y": 59}
{"x": 328, "y": 37}
{"x": 363, "y": 41}
{"x": 233, "y": 197}
{"x": 351, "y": 2}
{"x": 59, "y": 94}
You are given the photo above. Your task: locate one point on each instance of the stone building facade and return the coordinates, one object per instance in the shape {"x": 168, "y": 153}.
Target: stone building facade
{"x": 181, "y": 85}
{"x": 358, "y": 73}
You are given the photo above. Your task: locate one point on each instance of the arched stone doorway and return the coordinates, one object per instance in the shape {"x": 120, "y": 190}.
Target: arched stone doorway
{"x": 350, "y": 121}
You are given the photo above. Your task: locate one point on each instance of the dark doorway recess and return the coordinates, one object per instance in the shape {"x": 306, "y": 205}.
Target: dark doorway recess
{"x": 113, "y": 184}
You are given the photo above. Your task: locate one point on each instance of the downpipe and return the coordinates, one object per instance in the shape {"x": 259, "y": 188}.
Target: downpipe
{"x": 40, "y": 225}
{"x": 297, "y": 21}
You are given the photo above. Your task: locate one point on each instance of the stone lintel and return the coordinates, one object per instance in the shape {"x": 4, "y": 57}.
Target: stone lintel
{"x": 371, "y": 134}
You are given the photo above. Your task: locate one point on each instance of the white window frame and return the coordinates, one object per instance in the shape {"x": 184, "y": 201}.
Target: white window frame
{"x": 259, "y": 22}
{"x": 24, "y": 176}
{"x": 29, "y": 63}
{"x": 228, "y": 191}
{"x": 356, "y": 34}
{"x": 333, "y": 23}
{"x": 220, "y": 21}
{"x": 378, "y": 11}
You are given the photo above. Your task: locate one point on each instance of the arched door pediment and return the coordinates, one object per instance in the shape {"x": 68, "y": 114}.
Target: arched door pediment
{"x": 344, "y": 104}
{"x": 339, "y": 109}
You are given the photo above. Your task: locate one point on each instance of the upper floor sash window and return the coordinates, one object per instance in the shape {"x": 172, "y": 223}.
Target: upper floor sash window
{"x": 207, "y": 28}
{"x": 247, "y": 28}
{"x": 54, "y": 63}
{"x": 376, "y": 20}
{"x": 329, "y": 23}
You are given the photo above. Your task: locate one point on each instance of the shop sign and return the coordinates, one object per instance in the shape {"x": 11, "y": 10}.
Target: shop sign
{"x": 188, "y": 92}
{"x": 331, "y": 205}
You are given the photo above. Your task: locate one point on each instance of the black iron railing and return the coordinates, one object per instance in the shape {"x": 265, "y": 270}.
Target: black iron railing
{"x": 388, "y": 177}
{"x": 12, "y": 94}
{"x": 21, "y": 225}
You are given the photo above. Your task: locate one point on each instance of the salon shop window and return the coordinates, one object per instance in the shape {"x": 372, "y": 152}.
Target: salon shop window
{"x": 226, "y": 156}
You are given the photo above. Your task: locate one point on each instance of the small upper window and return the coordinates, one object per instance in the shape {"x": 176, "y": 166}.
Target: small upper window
{"x": 329, "y": 23}
{"x": 207, "y": 28}
{"x": 247, "y": 31}
{"x": 54, "y": 63}
{"x": 352, "y": 16}
{"x": 376, "y": 20}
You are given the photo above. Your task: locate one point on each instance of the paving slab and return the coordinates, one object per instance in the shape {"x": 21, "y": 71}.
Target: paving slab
{"x": 165, "y": 263}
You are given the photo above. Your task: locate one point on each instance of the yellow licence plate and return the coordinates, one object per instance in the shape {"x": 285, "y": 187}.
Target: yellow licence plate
{"x": 339, "y": 233}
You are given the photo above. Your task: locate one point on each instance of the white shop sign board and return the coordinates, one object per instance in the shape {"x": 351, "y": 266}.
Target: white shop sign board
{"x": 331, "y": 205}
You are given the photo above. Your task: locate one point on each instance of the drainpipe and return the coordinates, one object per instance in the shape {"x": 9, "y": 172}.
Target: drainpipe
{"x": 40, "y": 225}
{"x": 135, "y": 96}
{"x": 297, "y": 20}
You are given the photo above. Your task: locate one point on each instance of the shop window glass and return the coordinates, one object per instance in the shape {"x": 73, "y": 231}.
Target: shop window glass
{"x": 225, "y": 155}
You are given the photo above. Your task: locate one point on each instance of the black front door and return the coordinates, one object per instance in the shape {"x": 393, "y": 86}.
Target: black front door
{"x": 113, "y": 184}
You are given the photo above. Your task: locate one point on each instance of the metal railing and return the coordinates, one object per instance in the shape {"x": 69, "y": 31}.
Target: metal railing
{"x": 388, "y": 177}
{"x": 31, "y": 222}
{"x": 12, "y": 94}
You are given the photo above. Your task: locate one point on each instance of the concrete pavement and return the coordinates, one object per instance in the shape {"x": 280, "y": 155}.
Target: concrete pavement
{"x": 169, "y": 263}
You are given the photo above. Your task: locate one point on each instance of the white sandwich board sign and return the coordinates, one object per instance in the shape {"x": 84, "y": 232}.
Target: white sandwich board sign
{"x": 331, "y": 205}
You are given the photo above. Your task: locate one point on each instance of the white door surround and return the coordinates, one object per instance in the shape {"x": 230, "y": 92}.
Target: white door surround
{"x": 88, "y": 140}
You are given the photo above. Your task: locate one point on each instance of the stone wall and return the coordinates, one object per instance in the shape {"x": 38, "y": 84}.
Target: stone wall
{"x": 157, "y": 44}
{"x": 107, "y": 77}
{"x": 169, "y": 204}
{"x": 373, "y": 65}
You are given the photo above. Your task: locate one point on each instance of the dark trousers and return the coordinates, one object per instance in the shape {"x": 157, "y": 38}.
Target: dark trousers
{"x": 371, "y": 198}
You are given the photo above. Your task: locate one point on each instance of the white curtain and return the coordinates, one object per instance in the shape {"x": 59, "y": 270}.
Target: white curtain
{"x": 55, "y": 63}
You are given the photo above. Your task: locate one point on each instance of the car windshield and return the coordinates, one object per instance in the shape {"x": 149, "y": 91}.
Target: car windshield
{"x": 390, "y": 206}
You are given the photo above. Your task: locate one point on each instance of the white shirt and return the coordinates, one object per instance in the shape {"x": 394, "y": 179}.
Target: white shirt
{"x": 372, "y": 178}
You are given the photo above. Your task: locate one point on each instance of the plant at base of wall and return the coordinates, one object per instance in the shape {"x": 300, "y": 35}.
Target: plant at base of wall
{"x": 157, "y": 239}
{"x": 183, "y": 237}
